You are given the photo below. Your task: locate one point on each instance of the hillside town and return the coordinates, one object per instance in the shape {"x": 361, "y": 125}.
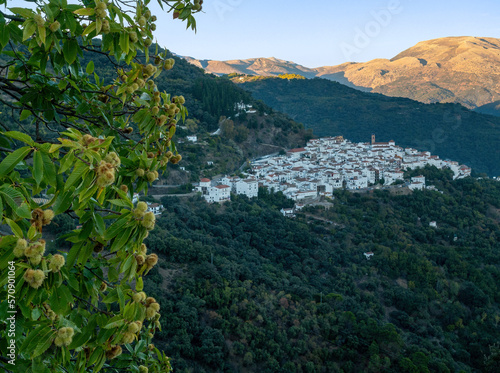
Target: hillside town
{"x": 330, "y": 163}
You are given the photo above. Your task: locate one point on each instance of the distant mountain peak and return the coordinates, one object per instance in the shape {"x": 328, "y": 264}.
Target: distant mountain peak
{"x": 462, "y": 69}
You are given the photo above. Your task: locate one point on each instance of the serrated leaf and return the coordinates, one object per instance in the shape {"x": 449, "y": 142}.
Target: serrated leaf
{"x": 114, "y": 229}
{"x": 70, "y": 50}
{"x": 24, "y": 211}
{"x": 18, "y": 232}
{"x": 121, "y": 203}
{"x": 90, "y": 67}
{"x": 13, "y": 159}
{"x": 37, "y": 167}
{"x": 49, "y": 168}
{"x": 60, "y": 299}
{"x": 11, "y": 196}
{"x": 44, "y": 343}
{"x": 85, "y": 12}
{"x": 113, "y": 274}
{"x": 42, "y": 33}
{"x": 73, "y": 254}
{"x": 24, "y": 12}
{"x": 77, "y": 174}
{"x": 98, "y": 25}
{"x": 121, "y": 297}
{"x": 55, "y": 147}
{"x": 19, "y": 135}
{"x": 4, "y": 34}
{"x": 63, "y": 202}
{"x": 29, "y": 29}
{"x": 124, "y": 42}
{"x": 32, "y": 338}
{"x": 115, "y": 324}
{"x": 89, "y": 29}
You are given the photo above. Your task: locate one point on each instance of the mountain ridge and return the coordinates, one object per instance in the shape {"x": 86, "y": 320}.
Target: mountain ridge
{"x": 464, "y": 70}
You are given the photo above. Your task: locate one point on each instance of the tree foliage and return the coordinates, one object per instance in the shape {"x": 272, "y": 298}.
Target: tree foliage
{"x": 87, "y": 144}
{"x": 298, "y": 295}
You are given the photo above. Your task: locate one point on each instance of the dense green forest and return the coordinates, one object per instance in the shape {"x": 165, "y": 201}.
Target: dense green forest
{"x": 448, "y": 130}
{"x": 243, "y": 288}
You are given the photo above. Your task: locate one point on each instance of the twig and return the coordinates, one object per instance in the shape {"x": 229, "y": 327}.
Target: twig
{"x": 90, "y": 304}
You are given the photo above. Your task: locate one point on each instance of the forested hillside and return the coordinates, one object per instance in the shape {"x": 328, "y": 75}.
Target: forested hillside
{"x": 243, "y": 288}
{"x": 212, "y": 104}
{"x": 448, "y": 130}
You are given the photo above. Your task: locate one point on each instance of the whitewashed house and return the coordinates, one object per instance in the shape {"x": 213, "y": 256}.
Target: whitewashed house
{"x": 155, "y": 208}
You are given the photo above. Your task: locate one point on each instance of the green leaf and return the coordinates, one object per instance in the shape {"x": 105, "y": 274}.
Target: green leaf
{"x": 24, "y": 211}
{"x": 18, "y": 232}
{"x": 99, "y": 224}
{"x": 112, "y": 297}
{"x": 121, "y": 240}
{"x": 124, "y": 42}
{"x": 19, "y": 135}
{"x": 32, "y": 339}
{"x": 114, "y": 324}
{"x": 70, "y": 50}
{"x": 42, "y": 33}
{"x": 89, "y": 29}
{"x": 77, "y": 174}
{"x": 44, "y": 343}
{"x": 60, "y": 299}
{"x": 24, "y": 12}
{"x": 130, "y": 311}
{"x": 114, "y": 229}
{"x": 66, "y": 162}
{"x": 35, "y": 314}
{"x": 54, "y": 147}
{"x": 12, "y": 160}
{"x": 39, "y": 366}
{"x": 29, "y": 29}
{"x": 63, "y": 202}
{"x": 127, "y": 264}
{"x": 11, "y": 196}
{"x": 85, "y": 12}
{"x": 90, "y": 67}
{"x": 139, "y": 285}
{"x": 50, "y": 171}
{"x": 121, "y": 203}
{"x": 37, "y": 167}
{"x": 113, "y": 274}
{"x": 82, "y": 338}
{"x": 73, "y": 254}
{"x": 121, "y": 297}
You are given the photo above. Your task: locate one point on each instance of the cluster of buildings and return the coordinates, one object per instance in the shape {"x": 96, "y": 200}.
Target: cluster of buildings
{"x": 327, "y": 164}
{"x": 226, "y": 186}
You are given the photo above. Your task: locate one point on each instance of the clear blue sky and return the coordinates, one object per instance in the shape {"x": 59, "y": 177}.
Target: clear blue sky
{"x": 324, "y": 32}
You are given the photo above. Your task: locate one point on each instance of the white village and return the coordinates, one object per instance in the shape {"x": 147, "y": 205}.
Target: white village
{"x": 327, "y": 164}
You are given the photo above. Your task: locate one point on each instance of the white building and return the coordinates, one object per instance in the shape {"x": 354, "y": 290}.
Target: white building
{"x": 222, "y": 193}
{"x": 219, "y": 193}
{"x": 368, "y": 255}
{"x": 155, "y": 208}
{"x": 248, "y": 187}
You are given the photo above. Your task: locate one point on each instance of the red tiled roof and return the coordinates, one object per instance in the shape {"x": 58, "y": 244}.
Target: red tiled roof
{"x": 205, "y": 180}
{"x": 222, "y": 186}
